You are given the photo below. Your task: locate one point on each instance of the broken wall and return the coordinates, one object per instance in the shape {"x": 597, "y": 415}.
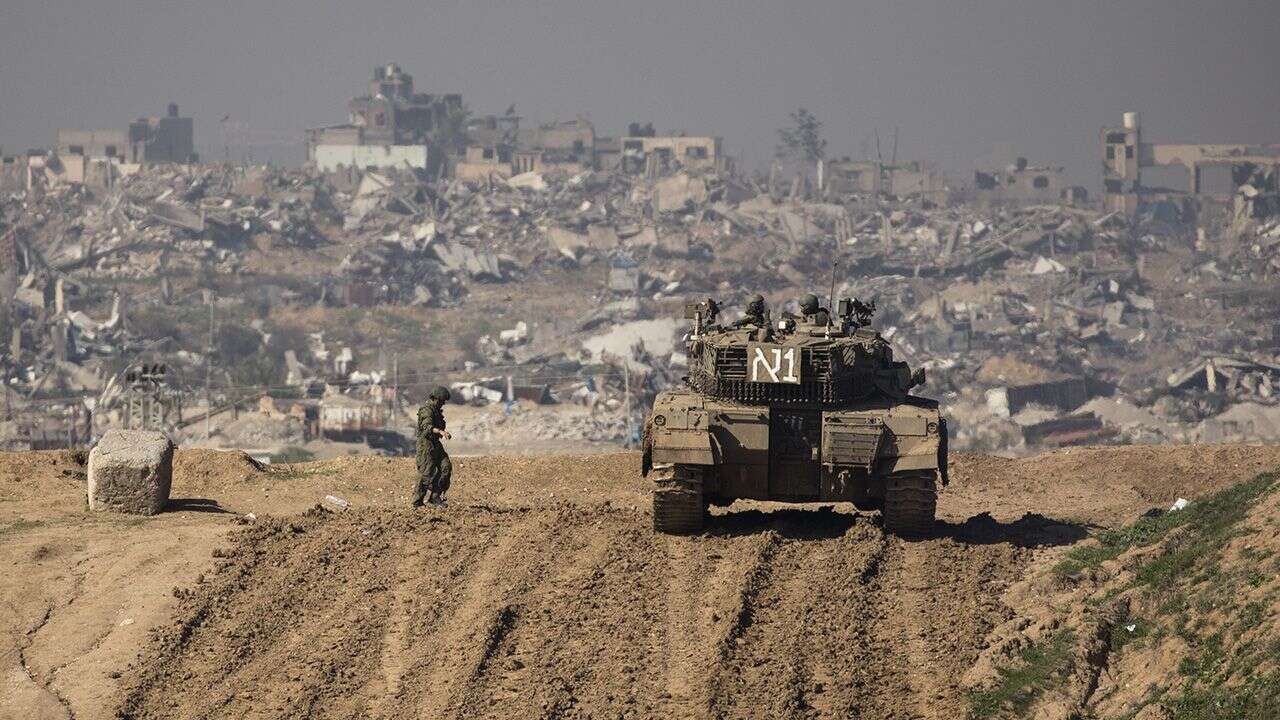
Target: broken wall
{"x": 330, "y": 157}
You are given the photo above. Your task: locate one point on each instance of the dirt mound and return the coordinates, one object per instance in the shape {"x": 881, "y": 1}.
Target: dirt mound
{"x": 543, "y": 591}
{"x": 28, "y": 475}
{"x": 199, "y": 470}
{"x": 1102, "y": 485}
{"x": 1010, "y": 369}
{"x": 1174, "y": 616}
{"x": 573, "y": 611}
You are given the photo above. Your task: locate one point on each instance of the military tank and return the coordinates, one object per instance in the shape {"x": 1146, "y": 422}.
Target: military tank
{"x": 812, "y": 408}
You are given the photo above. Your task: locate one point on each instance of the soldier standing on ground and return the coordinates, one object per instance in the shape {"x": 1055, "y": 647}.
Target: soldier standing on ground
{"x": 435, "y": 470}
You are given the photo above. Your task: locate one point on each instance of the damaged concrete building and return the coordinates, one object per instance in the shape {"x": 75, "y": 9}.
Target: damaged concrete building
{"x": 167, "y": 139}
{"x": 1024, "y": 184}
{"x": 870, "y": 177}
{"x": 42, "y": 169}
{"x": 498, "y": 147}
{"x": 1207, "y": 170}
{"x": 644, "y": 151}
{"x": 392, "y": 126}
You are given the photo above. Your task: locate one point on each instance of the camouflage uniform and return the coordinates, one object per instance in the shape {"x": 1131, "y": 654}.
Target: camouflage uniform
{"x": 756, "y": 313}
{"x": 435, "y": 470}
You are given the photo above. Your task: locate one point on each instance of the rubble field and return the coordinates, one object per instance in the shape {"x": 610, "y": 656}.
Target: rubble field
{"x": 313, "y": 590}
{"x": 327, "y": 293}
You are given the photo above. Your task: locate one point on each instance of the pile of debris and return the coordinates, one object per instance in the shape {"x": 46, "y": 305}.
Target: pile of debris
{"x": 1118, "y": 315}
{"x": 520, "y": 425}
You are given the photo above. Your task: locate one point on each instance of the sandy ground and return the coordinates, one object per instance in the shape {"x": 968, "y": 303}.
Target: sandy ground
{"x": 540, "y": 591}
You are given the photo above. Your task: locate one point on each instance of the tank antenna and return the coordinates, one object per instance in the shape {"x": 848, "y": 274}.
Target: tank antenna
{"x": 835, "y": 263}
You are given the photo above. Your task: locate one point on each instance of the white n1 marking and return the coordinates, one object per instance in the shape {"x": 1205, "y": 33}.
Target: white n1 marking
{"x": 760, "y": 360}
{"x": 772, "y": 369}
{"x": 790, "y": 356}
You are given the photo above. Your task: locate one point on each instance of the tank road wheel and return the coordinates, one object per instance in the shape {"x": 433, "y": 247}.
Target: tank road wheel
{"x": 910, "y": 502}
{"x": 677, "y": 499}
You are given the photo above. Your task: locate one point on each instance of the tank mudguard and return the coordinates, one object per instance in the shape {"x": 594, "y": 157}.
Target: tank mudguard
{"x": 901, "y": 438}
{"x": 683, "y": 447}
{"x": 916, "y": 441}
{"x": 679, "y": 431}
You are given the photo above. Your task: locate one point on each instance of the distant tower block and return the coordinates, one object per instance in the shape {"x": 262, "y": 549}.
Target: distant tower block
{"x": 1122, "y": 175}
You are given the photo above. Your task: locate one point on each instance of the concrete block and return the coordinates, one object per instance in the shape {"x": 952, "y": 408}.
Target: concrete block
{"x": 131, "y": 471}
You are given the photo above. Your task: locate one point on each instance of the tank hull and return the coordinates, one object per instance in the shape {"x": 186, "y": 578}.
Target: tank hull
{"x": 804, "y": 453}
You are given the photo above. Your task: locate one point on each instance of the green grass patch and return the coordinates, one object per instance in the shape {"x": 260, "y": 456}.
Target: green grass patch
{"x": 1176, "y": 604}
{"x": 298, "y": 472}
{"x": 1042, "y": 666}
{"x": 1251, "y": 616}
{"x": 1122, "y": 636}
{"x": 1258, "y": 699}
{"x": 292, "y": 454}
{"x": 20, "y": 525}
{"x": 1210, "y": 522}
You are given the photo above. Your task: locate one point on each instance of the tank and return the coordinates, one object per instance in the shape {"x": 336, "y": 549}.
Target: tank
{"x": 811, "y": 408}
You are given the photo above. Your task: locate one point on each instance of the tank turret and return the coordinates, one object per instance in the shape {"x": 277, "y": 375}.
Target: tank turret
{"x": 815, "y": 358}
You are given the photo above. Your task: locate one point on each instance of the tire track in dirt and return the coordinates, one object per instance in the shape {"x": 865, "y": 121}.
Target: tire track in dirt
{"x": 710, "y": 593}
{"x": 41, "y": 691}
{"x": 314, "y": 663}
{"x": 846, "y": 661}
{"x": 584, "y": 643}
{"x": 500, "y": 674}
{"x": 685, "y": 627}
{"x": 918, "y": 579}
{"x": 949, "y": 601}
{"x": 460, "y": 647}
{"x": 801, "y": 651}
{"x": 287, "y": 626}
{"x": 395, "y": 636}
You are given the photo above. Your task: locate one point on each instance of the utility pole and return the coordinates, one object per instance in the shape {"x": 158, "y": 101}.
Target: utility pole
{"x": 208, "y": 372}
{"x": 626, "y": 397}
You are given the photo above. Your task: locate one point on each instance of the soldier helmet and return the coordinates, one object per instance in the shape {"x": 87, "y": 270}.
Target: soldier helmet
{"x": 809, "y": 304}
{"x": 756, "y": 302}
{"x": 441, "y": 393}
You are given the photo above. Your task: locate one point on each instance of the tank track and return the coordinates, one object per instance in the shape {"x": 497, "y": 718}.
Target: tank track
{"x": 910, "y": 503}
{"x": 678, "y": 507}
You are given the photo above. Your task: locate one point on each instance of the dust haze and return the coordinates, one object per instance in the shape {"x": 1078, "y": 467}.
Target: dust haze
{"x": 961, "y": 81}
{"x": 683, "y": 360}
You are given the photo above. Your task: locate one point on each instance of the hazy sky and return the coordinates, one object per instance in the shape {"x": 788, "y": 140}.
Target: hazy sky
{"x": 962, "y": 79}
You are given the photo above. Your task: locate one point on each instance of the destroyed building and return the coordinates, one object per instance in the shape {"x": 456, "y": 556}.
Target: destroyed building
{"x": 498, "y": 147}
{"x": 167, "y": 139}
{"x": 870, "y": 177}
{"x": 1022, "y": 183}
{"x": 1040, "y": 323}
{"x": 491, "y": 147}
{"x": 650, "y": 154}
{"x": 109, "y": 143}
{"x": 39, "y": 169}
{"x": 1136, "y": 172}
{"x": 392, "y": 126}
